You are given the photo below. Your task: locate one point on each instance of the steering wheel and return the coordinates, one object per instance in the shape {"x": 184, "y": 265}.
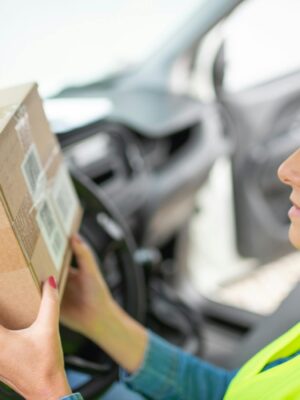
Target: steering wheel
{"x": 89, "y": 369}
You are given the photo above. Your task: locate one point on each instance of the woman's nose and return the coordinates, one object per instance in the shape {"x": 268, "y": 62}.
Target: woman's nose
{"x": 289, "y": 170}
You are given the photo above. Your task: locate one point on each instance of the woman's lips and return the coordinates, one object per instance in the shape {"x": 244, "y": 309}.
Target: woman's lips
{"x": 294, "y": 212}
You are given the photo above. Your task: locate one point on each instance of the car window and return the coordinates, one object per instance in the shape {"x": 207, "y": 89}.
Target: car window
{"x": 262, "y": 42}
{"x": 70, "y": 42}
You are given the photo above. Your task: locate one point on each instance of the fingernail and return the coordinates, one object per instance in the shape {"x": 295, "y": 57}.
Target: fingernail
{"x": 52, "y": 282}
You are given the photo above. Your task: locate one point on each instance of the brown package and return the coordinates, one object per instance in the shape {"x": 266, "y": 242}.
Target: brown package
{"x": 39, "y": 209}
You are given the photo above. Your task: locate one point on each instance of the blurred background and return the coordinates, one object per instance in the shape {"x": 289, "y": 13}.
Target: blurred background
{"x": 71, "y": 43}
{"x": 180, "y": 112}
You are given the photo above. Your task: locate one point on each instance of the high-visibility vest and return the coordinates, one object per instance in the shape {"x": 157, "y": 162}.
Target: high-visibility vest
{"x": 280, "y": 382}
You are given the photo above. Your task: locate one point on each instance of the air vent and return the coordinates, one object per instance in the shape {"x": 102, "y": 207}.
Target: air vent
{"x": 104, "y": 177}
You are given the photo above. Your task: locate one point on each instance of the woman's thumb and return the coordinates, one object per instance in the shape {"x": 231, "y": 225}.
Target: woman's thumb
{"x": 49, "y": 307}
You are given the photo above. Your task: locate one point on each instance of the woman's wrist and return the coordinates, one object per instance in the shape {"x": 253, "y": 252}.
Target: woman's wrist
{"x": 97, "y": 317}
{"x": 123, "y": 338}
{"x": 100, "y": 321}
{"x": 56, "y": 387}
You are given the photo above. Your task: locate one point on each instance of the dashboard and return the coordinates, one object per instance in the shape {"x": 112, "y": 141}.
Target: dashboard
{"x": 149, "y": 156}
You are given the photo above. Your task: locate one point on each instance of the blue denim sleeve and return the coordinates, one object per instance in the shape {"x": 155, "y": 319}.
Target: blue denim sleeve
{"x": 168, "y": 373}
{"x": 75, "y": 396}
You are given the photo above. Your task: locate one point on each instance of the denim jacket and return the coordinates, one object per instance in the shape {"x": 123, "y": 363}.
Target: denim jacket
{"x": 168, "y": 373}
{"x": 75, "y": 396}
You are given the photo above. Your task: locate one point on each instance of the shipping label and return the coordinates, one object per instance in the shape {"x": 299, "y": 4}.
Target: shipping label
{"x": 33, "y": 173}
{"x": 52, "y": 232}
{"x": 64, "y": 198}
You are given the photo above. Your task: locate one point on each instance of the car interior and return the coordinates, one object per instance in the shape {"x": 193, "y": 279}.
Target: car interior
{"x": 141, "y": 169}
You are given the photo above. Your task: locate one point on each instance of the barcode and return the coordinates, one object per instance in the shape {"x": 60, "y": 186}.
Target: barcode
{"x": 32, "y": 170}
{"x": 47, "y": 218}
{"x": 65, "y": 199}
{"x": 63, "y": 202}
{"x": 57, "y": 243}
{"x": 52, "y": 232}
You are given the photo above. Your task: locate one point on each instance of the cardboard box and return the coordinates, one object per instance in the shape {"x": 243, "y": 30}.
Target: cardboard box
{"x": 39, "y": 209}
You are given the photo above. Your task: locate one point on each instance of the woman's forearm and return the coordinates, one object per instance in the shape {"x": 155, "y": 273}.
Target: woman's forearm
{"x": 124, "y": 339}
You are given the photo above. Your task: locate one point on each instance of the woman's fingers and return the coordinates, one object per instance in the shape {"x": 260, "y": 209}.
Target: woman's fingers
{"x": 48, "y": 315}
{"x": 83, "y": 253}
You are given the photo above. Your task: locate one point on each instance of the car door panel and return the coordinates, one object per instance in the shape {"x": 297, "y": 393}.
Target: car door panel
{"x": 265, "y": 126}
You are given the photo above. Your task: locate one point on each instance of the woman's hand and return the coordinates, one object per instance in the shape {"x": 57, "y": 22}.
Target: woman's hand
{"x": 89, "y": 308}
{"x": 86, "y": 298}
{"x": 31, "y": 359}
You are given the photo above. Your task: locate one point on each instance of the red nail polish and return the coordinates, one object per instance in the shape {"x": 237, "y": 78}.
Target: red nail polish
{"x": 52, "y": 282}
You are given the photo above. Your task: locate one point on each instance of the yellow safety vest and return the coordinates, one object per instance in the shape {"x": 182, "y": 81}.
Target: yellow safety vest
{"x": 278, "y": 383}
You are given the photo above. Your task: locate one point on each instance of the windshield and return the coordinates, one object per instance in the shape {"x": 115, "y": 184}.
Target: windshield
{"x": 71, "y": 42}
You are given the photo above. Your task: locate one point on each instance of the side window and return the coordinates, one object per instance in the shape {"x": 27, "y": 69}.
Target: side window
{"x": 262, "y": 42}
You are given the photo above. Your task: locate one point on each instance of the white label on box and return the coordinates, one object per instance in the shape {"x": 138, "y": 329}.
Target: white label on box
{"x": 52, "y": 232}
{"x": 23, "y": 128}
{"x": 64, "y": 198}
{"x": 33, "y": 173}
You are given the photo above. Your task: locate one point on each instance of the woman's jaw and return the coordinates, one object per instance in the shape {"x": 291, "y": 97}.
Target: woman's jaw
{"x": 294, "y": 235}
{"x": 294, "y": 216}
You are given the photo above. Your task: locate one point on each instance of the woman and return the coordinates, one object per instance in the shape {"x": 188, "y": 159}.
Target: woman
{"x": 31, "y": 360}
